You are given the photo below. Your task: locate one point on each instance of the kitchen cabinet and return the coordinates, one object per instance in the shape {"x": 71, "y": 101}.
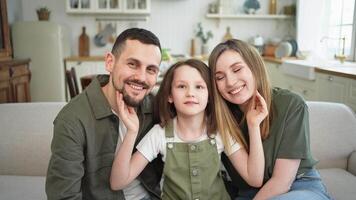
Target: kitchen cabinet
{"x": 276, "y": 75}
{"x": 108, "y": 6}
{"x": 351, "y": 100}
{"x": 15, "y": 78}
{"x": 305, "y": 88}
{"x": 332, "y": 88}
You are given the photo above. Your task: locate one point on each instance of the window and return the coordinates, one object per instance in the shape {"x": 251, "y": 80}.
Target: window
{"x": 339, "y": 36}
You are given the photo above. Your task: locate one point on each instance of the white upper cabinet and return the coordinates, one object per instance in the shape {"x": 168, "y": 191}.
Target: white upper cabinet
{"x": 108, "y": 6}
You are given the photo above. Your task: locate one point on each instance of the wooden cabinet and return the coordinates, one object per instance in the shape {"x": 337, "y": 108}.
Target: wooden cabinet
{"x": 332, "y": 88}
{"x": 276, "y": 75}
{"x": 351, "y": 100}
{"x": 305, "y": 88}
{"x": 15, "y": 78}
{"x": 5, "y": 45}
{"x": 108, "y": 6}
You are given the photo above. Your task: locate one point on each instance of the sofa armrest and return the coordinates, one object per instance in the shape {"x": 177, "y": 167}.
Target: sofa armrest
{"x": 351, "y": 164}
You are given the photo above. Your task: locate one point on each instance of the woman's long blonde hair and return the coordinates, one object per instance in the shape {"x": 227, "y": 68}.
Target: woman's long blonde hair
{"x": 227, "y": 122}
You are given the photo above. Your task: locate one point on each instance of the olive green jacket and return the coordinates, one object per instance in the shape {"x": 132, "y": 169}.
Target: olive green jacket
{"x": 83, "y": 147}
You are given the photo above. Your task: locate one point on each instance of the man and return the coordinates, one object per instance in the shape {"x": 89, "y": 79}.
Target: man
{"x": 87, "y": 131}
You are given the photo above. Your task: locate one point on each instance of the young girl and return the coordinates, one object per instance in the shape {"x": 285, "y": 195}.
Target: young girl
{"x": 186, "y": 139}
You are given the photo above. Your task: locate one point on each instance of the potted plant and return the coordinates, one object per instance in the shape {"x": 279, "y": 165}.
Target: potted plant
{"x": 204, "y": 37}
{"x": 43, "y": 13}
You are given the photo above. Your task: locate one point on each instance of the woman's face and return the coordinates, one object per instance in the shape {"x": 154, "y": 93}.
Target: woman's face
{"x": 234, "y": 78}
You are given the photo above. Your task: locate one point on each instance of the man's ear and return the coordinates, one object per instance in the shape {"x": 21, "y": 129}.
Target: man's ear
{"x": 109, "y": 62}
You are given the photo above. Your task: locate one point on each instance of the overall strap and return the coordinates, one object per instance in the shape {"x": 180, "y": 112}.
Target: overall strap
{"x": 169, "y": 129}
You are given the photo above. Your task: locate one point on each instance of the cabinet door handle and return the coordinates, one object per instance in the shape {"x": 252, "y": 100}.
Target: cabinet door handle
{"x": 330, "y": 78}
{"x": 305, "y": 92}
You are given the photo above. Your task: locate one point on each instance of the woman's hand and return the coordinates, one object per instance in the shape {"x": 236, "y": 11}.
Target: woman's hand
{"x": 127, "y": 114}
{"x": 257, "y": 111}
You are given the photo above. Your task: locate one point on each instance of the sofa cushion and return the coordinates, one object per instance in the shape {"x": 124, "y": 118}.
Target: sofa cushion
{"x": 351, "y": 165}
{"x": 26, "y": 134}
{"x": 22, "y": 187}
{"x": 332, "y": 133}
{"x": 339, "y": 183}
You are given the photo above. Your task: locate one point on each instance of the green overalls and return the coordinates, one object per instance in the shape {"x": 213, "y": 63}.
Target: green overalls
{"x": 192, "y": 171}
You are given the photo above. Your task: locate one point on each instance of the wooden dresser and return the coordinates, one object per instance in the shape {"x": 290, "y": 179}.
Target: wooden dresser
{"x": 15, "y": 79}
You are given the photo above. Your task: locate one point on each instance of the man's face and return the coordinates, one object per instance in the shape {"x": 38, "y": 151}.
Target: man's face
{"x": 134, "y": 72}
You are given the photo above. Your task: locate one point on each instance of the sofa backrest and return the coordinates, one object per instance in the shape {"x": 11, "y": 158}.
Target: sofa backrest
{"x": 26, "y": 131}
{"x": 332, "y": 133}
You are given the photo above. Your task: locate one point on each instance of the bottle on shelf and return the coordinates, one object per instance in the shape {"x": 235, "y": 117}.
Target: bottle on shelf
{"x": 273, "y": 7}
{"x": 227, "y": 35}
{"x": 83, "y": 43}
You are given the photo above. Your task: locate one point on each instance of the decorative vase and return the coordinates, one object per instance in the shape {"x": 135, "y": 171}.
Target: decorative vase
{"x": 43, "y": 16}
{"x": 251, "y": 6}
{"x": 204, "y": 50}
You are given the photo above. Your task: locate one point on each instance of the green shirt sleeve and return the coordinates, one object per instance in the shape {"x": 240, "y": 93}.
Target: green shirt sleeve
{"x": 65, "y": 170}
{"x": 294, "y": 143}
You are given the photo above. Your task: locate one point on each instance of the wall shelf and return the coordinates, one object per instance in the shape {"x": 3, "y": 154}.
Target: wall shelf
{"x": 245, "y": 16}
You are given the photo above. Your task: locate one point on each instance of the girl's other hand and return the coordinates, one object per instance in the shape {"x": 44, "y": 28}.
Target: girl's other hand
{"x": 127, "y": 114}
{"x": 257, "y": 111}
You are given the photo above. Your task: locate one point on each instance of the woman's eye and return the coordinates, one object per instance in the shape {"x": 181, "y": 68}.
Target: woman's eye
{"x": 236, "y": 69}
{"x": 218, "y": 78}
{"x": 181, "y": 86}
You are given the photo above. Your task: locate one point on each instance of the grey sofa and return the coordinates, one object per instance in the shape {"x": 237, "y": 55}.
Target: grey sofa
{"x": 333, "y": 143}
{"x": 26, "y": 134}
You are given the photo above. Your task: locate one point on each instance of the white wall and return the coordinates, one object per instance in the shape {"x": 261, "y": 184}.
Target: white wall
{"x": 173, "y": 21}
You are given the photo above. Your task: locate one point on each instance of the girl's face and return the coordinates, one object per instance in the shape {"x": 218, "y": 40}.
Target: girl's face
{"x": 189, "y": 92}
{"x": 234, "y": 78}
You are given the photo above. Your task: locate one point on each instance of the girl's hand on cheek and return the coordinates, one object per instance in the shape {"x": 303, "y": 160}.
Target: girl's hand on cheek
{"x": 127, "y": 114}
{"x": 257, "y": 111}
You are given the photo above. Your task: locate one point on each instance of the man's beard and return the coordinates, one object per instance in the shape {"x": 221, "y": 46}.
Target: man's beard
{"x": 126, "y": 97}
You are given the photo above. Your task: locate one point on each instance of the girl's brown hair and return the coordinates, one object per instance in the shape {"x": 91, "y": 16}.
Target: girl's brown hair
{"x": 166, "y": 111}
{"x": 227, "y": 123}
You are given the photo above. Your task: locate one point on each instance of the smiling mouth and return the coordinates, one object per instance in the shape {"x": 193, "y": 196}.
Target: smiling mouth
{"x": 190, "y": 102}
{"x": 137, "y": 86}
{"x": 237, "y": 90}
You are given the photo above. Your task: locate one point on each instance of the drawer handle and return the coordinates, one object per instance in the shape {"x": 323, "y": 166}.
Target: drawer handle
{"x": 330, "y": 78}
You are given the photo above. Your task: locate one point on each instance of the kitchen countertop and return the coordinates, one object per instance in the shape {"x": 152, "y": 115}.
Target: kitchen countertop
{"x": 338, "y": 71}
{"x": 347, "y": 72}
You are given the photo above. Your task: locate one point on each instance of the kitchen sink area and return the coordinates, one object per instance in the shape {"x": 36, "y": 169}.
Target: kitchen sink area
{"x": 305, "y": 69}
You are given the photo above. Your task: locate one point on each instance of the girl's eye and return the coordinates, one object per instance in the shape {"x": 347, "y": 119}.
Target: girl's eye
{"x": 181, "y": 86}
{"x": 200, "y": 87}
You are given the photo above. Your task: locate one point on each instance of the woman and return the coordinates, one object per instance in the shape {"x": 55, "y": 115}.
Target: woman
{"x": 239, "y": 74}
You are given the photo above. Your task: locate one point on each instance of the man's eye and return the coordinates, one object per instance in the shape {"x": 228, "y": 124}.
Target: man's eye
{"x": 152, "y": 70}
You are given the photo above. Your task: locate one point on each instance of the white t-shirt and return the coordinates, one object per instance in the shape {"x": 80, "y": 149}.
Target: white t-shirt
{"x": 134, "y": 190}
{"x": 155, "y": 140}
